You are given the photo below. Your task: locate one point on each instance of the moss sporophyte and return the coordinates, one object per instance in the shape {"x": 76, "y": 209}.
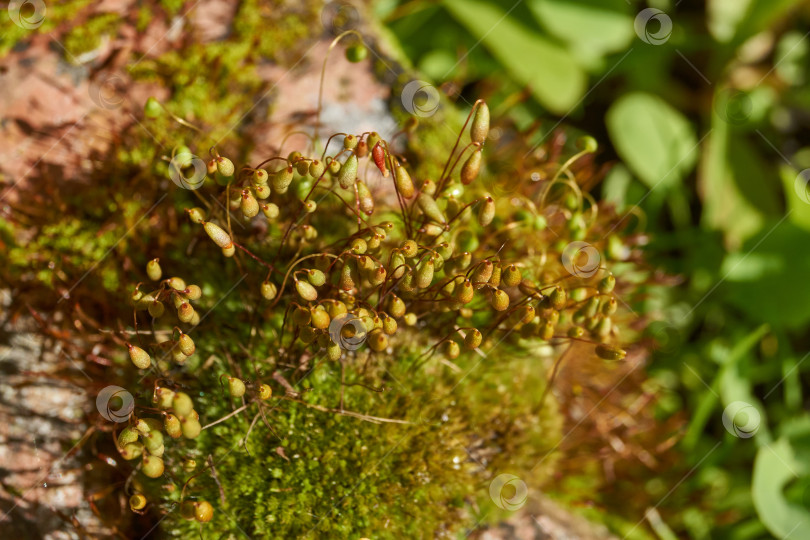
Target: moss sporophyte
{"x": 347, "y": 310}
{"x": 360, "y": 290}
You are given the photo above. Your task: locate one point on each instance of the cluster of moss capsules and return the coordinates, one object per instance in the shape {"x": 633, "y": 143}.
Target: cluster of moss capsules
{"x": 449, "y": 268}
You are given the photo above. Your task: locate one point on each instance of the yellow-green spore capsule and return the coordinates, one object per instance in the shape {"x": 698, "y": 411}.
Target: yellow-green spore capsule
{"x": 377, "y": 341}
{"x": 607, "y": 352}
{"x": 269, "y": 290}
{"x": 282, "y": 179}
{"x": 261, "y": 191}
{"x": 236, "y": 387}
{"x": 428, "y": 206}
{"x": 480, "y": 124}
{"x": 249, "y": 206}
{"x": 558, "y": 298}
{"x": 191, "y": 428}
{"x": 471, "y": 167}
{"x": 364, "y": 198}
{"x": 172, "y": 426}
{"x": 139, "y": 357}
{"x": 182, "y": 404}
{"x": 316, "y": 168}
{"x": 348, "y": 172}
{"x": 473, "y": 339}
{"x": 403, "y": 181}
{"x": 193, "y": 292}
{"x": 203, "y": 511}
{"x": 510, "y": 276}
{"x": 225, "y": 166}
{"x": 152, "y": 466}
{"x": 270, "y": 210}
{"x": 153, "y": 270}
{"x": 186, "y": 344}
{"x": 265, "y": 392}
{"x": 132, "y": 450}
{"x": 260, "y": 177}
{"x": 306, "y": 291}
{"x": 424, "y": 273}
{"x": 499, "y": 300}
{"x": 196, "y": 215}
{"x": 156, "y": 309}
{"x": 486, "y": 213}
{"x": 137, "y": 502}
{"x": 217, "y": 234}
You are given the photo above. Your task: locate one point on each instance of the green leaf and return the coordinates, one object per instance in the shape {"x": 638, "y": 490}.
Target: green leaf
{"x": 775, "y": 466}
{"x": 736, "y": 184}
{"x": 767, "y": 278}
{"x": 762, "y": 14}
{"x": 590, "y": 28}
{"x": 655, "y": 140}
{"x": 532, "y": 59}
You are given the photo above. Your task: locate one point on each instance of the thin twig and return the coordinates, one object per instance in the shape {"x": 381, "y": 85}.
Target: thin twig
{"x": 216, "y": 478}
{"x": 234, "y": 413}
{"x": 367, "y": 418}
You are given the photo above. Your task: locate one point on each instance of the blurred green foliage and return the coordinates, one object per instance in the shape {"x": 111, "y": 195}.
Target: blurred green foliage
{"x": 705, "y": 107}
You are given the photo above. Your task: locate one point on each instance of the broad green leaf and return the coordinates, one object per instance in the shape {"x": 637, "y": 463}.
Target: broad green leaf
{"x": 723, "y": 17}
{"x": 736, "y": 185}
{"x": 762, "y": 14}
{"x": 775, "y": 466}
{"x": 656, "y": 141}
{"x": 767, "y": 278}
{"x": 738, "y": 20}
{"x": 533, "y": 60}
{"x": 591, "y": 28}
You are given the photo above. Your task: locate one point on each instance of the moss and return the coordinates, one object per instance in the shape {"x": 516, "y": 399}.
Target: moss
{"x": 56, "y": 14}
{"x": 88, "y": 36}
{"x": 341, "y": 476}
